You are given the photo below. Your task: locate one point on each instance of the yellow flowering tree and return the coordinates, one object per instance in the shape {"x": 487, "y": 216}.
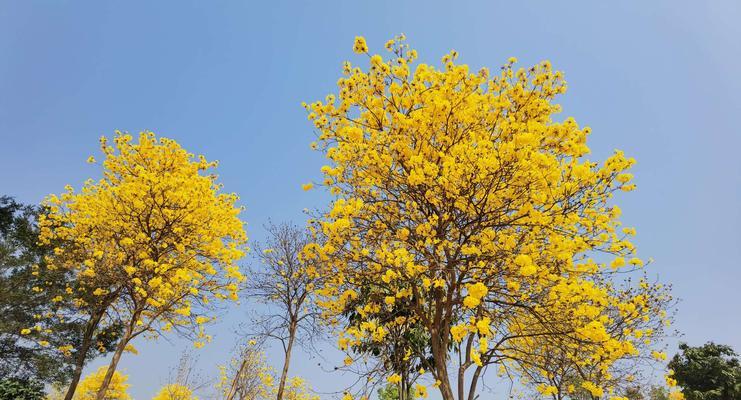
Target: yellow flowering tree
{"x": 249, "y": 377}
{"x": 154, "y": 238}
{"x": 175, "y": 391}
{"x": 464, "y": 206}
{"x": 551, "y": 368}
{"x": 115, "y": 389}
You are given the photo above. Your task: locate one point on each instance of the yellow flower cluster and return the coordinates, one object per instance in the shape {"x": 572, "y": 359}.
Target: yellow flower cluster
{"x": 475, "y": 293}
{"x": 88, "y": 387}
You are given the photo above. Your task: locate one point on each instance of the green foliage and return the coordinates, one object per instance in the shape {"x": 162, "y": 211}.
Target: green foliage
{"x": 26, "y": 292}
{"x": 405, "y": 349}
{"x": 388, "y": 392}
{"x": 21, "y": 356}
{"x": 21, "y": 389}
{"x": 391, "y": 392}
{"x": 658, "y": 393}
{"x": 708, "y": 372}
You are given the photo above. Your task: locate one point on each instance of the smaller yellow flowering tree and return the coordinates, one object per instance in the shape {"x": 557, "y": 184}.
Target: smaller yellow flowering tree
{"x": 155, "y": 238}
{"x": 175, "y": 391}
{"x": 249, "y": 377}
{"x": 116, "y": 388}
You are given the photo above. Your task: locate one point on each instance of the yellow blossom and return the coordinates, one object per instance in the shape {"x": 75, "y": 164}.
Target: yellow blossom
{"x": 360, "y": 46}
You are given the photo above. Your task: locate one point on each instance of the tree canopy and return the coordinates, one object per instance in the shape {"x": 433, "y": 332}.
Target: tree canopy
{"x": 462, "y": 205}
{"x": 154, "y": 241}
{"x": 708, "y": 372}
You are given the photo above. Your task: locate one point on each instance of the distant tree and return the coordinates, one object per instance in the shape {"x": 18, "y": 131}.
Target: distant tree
{"x": 248, "y": 377}
{"x": 183, "y": 381}
{"x": 634, "y": 393}
{"x": 707, "y": 372}
{"x": 395, "y": 359}
{"x": 33, "y": 347}
{"x": 21, "y": 389}
{"x": 282, "y": 283}
{"x": 650, "y": 393}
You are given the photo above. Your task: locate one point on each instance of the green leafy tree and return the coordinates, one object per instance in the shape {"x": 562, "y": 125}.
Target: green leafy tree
{"x": 21, "y": 355}
{"x": 31, "y": 346}
{"x": 708, "y": 372}
{"x": 21, "y": 389}
{"x": 398, "y": 354}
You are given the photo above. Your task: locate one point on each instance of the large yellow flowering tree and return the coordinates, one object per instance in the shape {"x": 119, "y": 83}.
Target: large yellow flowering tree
{"x": 465, "y": 208}
{"x": 154, "y": 236}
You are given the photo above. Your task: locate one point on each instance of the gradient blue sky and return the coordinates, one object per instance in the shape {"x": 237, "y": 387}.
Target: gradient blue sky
{"x": 658, "y": 79}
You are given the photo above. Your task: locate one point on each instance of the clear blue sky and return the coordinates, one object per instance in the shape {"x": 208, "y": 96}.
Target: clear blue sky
{"x": 658, "y": 79}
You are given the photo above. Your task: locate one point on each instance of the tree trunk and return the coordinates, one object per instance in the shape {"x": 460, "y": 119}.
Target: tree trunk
{"x": 439, "y": 353}
{"x": 117, "y": 356}
{"x": 291, "y": 336}
{"x": 81, "y": 355}
{"x": 404, "y": 386}
{"x": 441, "y": 371}
{"x": 461, "y": 382}
{"x": 474, "y": 381}
{"x": 75, "y": 380}
{"x": 446, "y": 391}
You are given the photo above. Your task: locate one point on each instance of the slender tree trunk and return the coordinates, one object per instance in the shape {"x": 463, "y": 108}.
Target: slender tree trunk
{"x": 82, "y": 352}
{"x": 117, "y": 356}
{"x": 461, "y": 382}
{"x": 474, "y": 381}
{"x": 404, "y": 386}
{"x": 235, "y": 381}
{"x": 287, "y": 360}
{"x": 112, "y": 367}
{"x": 75, "y": 379}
